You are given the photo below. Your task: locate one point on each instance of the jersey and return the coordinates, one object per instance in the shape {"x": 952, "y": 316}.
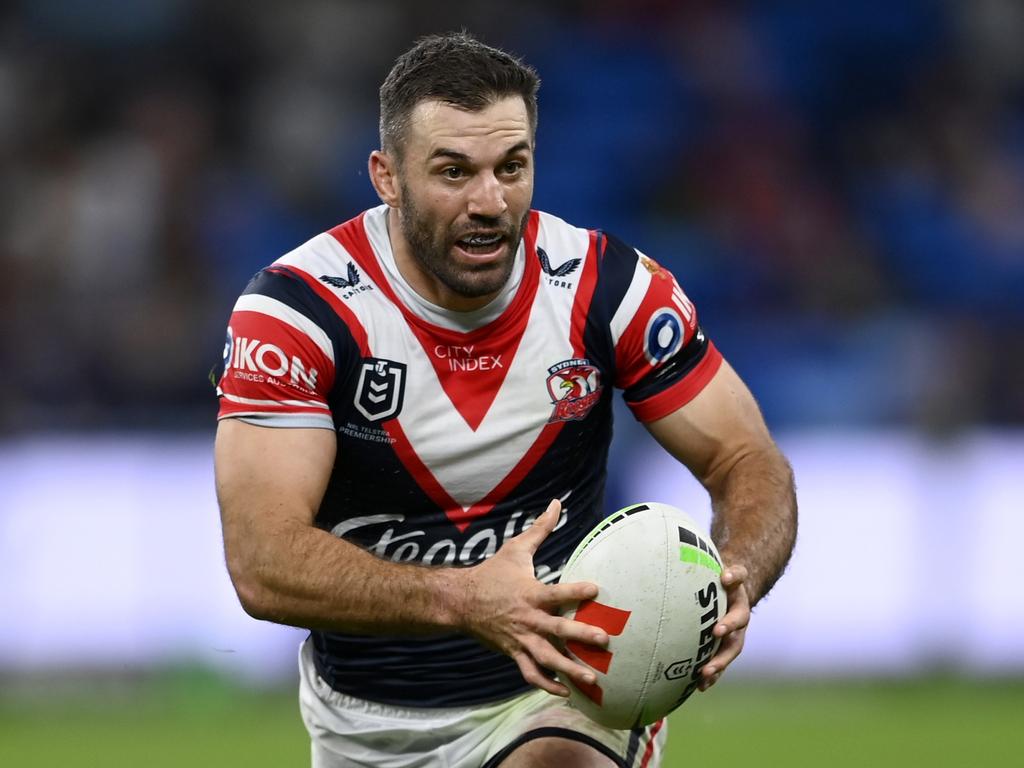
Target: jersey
{"x": 455, "y": 430}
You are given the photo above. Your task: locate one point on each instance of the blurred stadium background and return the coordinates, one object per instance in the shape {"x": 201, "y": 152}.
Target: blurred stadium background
{"x": 838, "y": 186}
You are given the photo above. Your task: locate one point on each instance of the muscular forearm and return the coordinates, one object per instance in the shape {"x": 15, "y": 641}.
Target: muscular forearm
{"x": 300, "y": 575}
{"x": 755, "y": 515}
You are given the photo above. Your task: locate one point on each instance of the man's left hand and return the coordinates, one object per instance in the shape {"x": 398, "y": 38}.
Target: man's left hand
{"x": 732, "y": 628}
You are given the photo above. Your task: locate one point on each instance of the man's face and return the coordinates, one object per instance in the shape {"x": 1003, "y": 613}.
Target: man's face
{"x": 466, "y": 182}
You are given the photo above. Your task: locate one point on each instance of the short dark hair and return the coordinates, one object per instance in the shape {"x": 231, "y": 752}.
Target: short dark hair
{"x": 455, "y": 68}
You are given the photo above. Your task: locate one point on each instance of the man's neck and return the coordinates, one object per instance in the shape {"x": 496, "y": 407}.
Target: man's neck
{"x": 420, "y": 279}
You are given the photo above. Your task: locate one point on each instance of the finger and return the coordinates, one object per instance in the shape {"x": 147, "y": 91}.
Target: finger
{"x": 542, "y": 526}
{"x": 569, "y": 630}
{"x": 707, "y": 683}
{"x": 738, "y": 615}
{"x": 734, "y": 575}
{"x": 727, "y": 653}
{"x": 534, "y": 676}
{"x": 549, "y": 657}
{"x": 559, "y": 595}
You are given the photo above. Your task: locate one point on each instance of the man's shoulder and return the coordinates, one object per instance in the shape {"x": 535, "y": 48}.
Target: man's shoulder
{"x": 330, "y": 248}
{"x": 553, "y": 227}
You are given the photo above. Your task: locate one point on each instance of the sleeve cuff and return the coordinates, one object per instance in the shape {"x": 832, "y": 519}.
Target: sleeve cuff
{"x": 683, "y": 391}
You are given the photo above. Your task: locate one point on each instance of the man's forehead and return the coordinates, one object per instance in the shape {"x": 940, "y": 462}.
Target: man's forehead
{"x": 434, "y": 124}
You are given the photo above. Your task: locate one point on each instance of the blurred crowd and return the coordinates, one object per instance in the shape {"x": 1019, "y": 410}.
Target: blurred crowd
{"x": 838, "y": 186}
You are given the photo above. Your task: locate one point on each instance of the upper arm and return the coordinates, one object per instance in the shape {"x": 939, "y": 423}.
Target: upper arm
{"x": 268, "y": 477}
{"x": 715, "y": 429}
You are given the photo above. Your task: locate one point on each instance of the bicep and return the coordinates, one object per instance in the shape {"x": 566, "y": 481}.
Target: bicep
{"x": 271, "y": 473}
{"x": 715, "y": 429}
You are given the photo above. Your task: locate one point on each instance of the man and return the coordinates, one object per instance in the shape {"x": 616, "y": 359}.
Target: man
{"x": 415, "y": 419}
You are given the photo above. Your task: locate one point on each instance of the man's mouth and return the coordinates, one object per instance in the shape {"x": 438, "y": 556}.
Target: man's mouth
{"x": 481, "y": 243}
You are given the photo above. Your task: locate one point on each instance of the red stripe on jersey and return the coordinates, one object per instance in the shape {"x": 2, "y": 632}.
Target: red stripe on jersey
{"x": 421, "y": 473}
{"x": 682, "y": 392}
{"x": 471, "y": 367}
{"x": 631, "y": 363}
{"x": 584, "y": 297}
{"x": 273, "y": 367}
{"x": 346, "y": 314}
{"x": 649, "y": 752}
{"x": 403, "y": 447}
{"x": 461, "y": 517}
{"x": 507, "y": 329}
{"x": 512, "y": 479}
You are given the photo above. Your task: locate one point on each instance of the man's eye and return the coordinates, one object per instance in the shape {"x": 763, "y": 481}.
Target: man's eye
{"x": 513, "y": 167}
{"x": 452, "y": 173}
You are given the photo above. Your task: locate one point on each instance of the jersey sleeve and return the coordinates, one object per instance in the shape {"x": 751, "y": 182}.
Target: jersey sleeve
{"x": 279, "y": 362}
{"x": 662, "y": 357}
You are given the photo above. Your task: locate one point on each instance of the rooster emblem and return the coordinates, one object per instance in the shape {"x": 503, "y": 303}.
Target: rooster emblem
{"x": 575, "y": 387}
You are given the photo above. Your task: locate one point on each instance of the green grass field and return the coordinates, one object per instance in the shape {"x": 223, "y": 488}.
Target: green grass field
{"x": 195, "y": 719}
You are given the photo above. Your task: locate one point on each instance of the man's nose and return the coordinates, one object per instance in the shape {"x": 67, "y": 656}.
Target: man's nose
{"x": 487, "y": 196}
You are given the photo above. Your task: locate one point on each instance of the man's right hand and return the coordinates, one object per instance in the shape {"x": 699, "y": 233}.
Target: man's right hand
{"x": 508, "y": 609}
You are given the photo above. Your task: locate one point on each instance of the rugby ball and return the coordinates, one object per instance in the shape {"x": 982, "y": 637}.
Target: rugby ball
{"x": 659, "y": 600}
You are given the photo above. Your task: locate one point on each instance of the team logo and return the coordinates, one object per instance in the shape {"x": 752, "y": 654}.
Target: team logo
{"x": 575, "y": 388}
{"x": 563, "y": 269}
{"x": 663, "y": 337}
{"x": 351, "y": 280}
{"x": 381, "y": 389}
{"x": 652, "y": 266}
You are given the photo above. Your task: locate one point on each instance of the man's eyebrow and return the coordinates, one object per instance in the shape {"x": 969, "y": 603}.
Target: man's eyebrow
{"x": 518, "y": 147}
{"x": 449, "y": 153}
{"x": 462, "y": 157}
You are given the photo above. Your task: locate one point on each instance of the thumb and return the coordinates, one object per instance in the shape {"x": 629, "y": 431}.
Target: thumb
{"x": 533, "y": 536}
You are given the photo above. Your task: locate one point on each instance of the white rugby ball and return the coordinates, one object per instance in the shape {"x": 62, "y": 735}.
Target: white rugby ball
{"x": 660, "y": 598}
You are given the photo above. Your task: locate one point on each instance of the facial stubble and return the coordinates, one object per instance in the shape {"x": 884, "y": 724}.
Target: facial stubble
{"x": 433, "y": 250}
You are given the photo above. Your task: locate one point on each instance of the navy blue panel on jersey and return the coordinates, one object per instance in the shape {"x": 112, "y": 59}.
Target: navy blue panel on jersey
{"x": 403, "y": 525}
{"x": 278, "y": 283}
{"x": 618, "y": 262}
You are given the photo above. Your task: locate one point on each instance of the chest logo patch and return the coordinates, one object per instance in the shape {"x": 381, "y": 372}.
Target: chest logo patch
{"x": 380, "y": 391}
{"x": 575, "y": 388}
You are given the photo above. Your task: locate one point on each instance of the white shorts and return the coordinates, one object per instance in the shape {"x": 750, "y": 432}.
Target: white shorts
{"x": 347, "y": 732}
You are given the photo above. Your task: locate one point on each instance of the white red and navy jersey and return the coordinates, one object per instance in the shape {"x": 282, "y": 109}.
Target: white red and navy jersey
{"x": 455, "y": 430}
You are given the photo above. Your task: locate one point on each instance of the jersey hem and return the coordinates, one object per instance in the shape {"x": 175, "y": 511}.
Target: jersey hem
{"x": 298, "y": 421}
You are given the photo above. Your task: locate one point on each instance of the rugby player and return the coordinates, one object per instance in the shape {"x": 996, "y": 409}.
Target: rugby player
{"x": 414, "y": 429}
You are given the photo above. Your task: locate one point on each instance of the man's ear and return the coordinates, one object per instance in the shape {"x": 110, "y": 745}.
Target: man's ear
{"x": 384, "y": 177}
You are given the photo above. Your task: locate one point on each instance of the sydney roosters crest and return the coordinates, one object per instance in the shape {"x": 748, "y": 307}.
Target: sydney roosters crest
{"x": 575, "y": 388}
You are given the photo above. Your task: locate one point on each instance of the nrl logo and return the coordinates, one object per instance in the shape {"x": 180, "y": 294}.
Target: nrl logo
{"x": 575, "y": 388}
{"x": 350, "y": 281}
{"x": 380, "y": 391}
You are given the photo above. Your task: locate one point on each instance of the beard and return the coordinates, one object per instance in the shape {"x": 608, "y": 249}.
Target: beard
{"x": 433, "y": 247}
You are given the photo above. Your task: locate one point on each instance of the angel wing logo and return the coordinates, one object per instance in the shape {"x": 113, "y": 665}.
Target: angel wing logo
{"x": 349, "y": 281}
{"x": 566, "y": 268}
